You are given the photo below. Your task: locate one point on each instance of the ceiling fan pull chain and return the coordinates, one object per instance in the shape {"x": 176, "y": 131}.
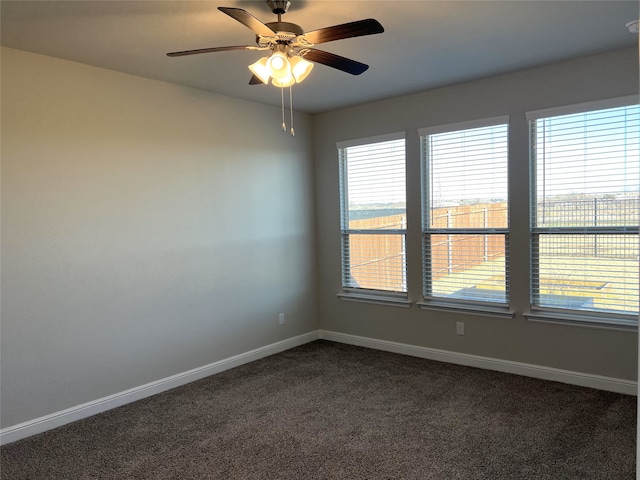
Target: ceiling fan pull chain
{"x": 284, "y": 125}
{"x": 293, "y": 133}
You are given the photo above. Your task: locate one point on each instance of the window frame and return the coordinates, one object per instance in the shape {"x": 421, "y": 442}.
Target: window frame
{"x": 542, "y": 313}
{"x": 362, "y": 294}
{"x": 442, "y": 303}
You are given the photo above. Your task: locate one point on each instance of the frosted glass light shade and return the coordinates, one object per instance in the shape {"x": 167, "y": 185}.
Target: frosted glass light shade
{"x": 300, "y": 68}
{"x": 284, "y": 82}
{"x": 261, "y": 70}
{"x": 279, "y": 65}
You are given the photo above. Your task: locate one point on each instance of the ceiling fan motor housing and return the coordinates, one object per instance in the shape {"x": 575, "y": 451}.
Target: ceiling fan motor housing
{"x": 279, "y": 7}
{"x": 285, "y": 27}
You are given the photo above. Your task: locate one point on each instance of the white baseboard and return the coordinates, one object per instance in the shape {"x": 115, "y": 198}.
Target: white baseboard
{"x": 57, "y": 419}
{"x": 54, "y": 420}
{"x": 526, "y": 369}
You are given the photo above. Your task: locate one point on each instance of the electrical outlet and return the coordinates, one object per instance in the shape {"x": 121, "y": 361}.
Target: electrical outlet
{"x": 460, "y": 328}
{"x": 281, "y": 319}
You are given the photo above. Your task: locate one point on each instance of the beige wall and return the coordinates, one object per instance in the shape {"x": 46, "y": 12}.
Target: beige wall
{"x": 147, "y": 229}
{"x": 589, "y": 350}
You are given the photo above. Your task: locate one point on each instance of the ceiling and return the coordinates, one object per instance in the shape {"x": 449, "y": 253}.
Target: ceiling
{"x": 426, "y": 44}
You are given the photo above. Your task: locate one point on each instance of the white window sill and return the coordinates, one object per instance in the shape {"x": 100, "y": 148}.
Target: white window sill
{"x": 391, "y": 301}
{"x": 487, "y": 311}
{"x": 607, "y": 323}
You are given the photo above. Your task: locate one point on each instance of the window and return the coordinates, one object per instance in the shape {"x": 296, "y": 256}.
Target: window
{"x": 373, "y": 214}
{"x": 465, "y": 213}
{"x": 585, "y": 184}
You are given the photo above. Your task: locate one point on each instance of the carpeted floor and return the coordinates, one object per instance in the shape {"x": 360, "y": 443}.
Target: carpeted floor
{"x": 332, "y": 411}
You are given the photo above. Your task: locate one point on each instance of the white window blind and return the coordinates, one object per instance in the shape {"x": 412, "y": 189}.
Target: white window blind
{"x": 465, "y": 212}
{"x": 585, "y": 211}
{"x": 373, "y": 214}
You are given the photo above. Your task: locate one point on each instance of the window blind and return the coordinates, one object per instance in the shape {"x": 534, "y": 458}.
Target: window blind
{"x": 373, "y": 220}
{"x": 585, "y": 210}
{"x": 465, "y": 211}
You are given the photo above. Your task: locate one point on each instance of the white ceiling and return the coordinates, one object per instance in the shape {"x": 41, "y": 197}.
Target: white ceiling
{"x": 426, "y": 44}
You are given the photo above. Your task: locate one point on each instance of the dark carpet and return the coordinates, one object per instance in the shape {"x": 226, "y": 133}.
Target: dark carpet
{"x": 333, "y": 411}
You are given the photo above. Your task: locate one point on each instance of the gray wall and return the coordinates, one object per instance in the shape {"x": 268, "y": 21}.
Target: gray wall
{"x": 594, "y": 351}
{"x": 147, "y": 229}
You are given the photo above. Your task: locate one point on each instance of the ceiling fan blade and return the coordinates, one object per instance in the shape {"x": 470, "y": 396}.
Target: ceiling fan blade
{"x": 209, "y": 50}
{"x": 248, "y": 20}
{"x": 256, "y": 81}
{"x": 335, "y": 61}
{"x": 346, "y": 30}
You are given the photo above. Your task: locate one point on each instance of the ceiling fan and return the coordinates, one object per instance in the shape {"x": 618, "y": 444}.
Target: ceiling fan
{"x": 291, "y": 48}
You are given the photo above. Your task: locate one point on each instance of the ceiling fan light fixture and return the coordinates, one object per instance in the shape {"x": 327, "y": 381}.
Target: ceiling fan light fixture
{"x": 300, "y": 68}
{"x": 261, "y": 70}
{"x": 279, "y": 65}
{"x": 283, "y": 71}
{"x": 283, "y": 82}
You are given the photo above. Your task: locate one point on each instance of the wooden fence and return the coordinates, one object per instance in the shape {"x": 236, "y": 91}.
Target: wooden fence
{"x": 452, "y": 253}
{"x": 378, "y": 261}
